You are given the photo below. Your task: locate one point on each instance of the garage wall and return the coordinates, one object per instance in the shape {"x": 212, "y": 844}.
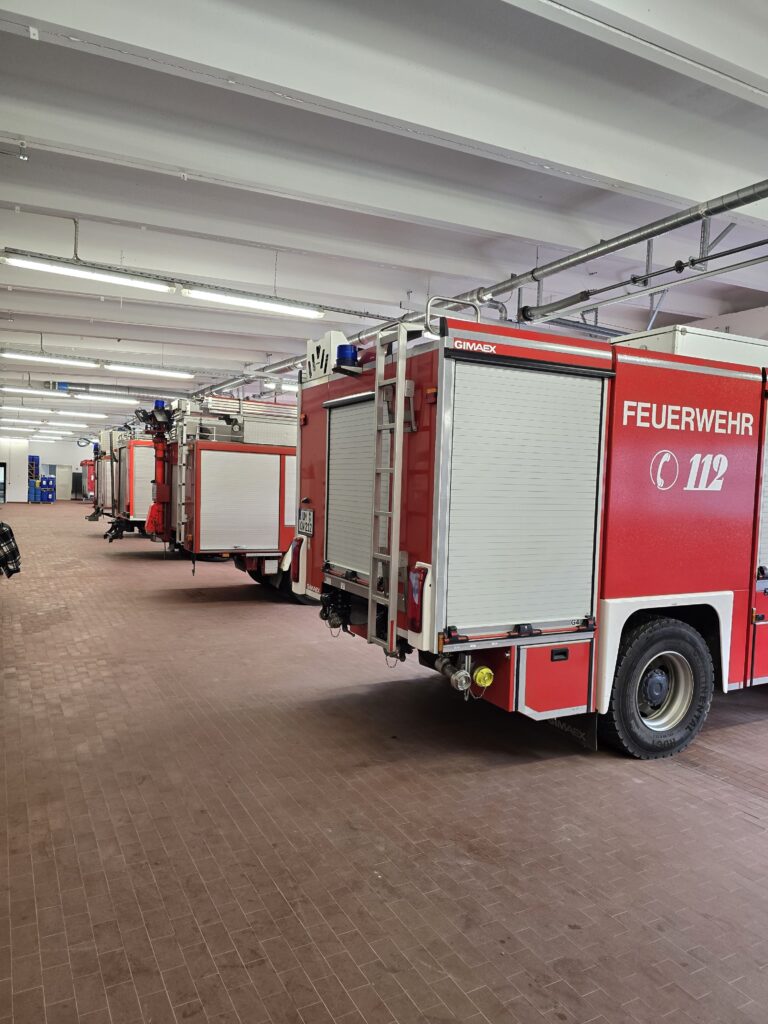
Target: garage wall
{"x": 61, "y": 453}
{"x": 14, "y": 455}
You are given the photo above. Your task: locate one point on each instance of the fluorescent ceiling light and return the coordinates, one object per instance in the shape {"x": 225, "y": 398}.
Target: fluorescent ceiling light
{"x": 58, "y": 360}
{"x": 23, "y": 430}
{"x": 14, "y": 419}
{"x": 67, "y": 412}
{"x": 42, "y": 430}
{"x": 17, "y": 438}
{"x": 271, "y": 385}
{"x": 82, "y": 426}
{"x": 25, "y": 408}
{"x": 118, "y": 401}
{"x": 50, "y": 393}
{"x": 35, "y": 440}
{"x": 266, "y": 305}
{"x": 70, "y": 270}
{"x": 152, "y": 372}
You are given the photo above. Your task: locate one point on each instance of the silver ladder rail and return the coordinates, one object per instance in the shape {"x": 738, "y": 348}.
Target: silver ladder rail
{"x": 388, "y": 465}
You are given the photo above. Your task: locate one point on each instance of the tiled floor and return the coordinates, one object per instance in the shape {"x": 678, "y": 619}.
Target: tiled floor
{"x": 213, "y": 811}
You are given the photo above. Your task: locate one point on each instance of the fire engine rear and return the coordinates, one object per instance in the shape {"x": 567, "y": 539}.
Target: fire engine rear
{"x": 560, "y": 526}
{"x": 225, "y": 481}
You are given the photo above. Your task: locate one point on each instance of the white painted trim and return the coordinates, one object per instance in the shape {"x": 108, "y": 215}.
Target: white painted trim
{"x": 615, "y": 612}
{"x": 300, "y": 587}
{"x": 425, "y": 640}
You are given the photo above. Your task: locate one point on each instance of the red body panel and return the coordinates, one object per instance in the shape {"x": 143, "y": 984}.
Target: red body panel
{"x": 88, "y": 468}
{"x": 660, "y": 536}
{"x": 550, "y": 683}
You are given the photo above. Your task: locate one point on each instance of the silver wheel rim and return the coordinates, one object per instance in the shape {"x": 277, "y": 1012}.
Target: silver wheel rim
{"x": 665, "y": 713}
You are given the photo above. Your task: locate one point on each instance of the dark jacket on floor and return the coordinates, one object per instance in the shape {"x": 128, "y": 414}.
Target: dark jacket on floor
{"x": 10, "y": 559}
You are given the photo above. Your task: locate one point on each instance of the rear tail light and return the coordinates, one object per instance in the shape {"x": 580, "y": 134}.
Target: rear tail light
{"x": 415, "y": 605}
{"x": 296, "y": 559}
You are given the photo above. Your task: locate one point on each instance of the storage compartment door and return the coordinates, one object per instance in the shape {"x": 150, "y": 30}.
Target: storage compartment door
{"x": 122, "y": 480}
{"x": 524, "y": 491}
{"x": 349, "y": 503}
{"x": 289, "y": 487}
{"x": 143, "y": 475}
{"x": 238, "y": 504}
{"x": 174, "y": 482}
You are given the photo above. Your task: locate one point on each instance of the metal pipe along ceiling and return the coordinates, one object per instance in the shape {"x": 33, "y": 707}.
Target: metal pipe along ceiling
{"x": 722, "y": 204}
{"x": 700, "y": 211}
{"x": 656, "y": 289}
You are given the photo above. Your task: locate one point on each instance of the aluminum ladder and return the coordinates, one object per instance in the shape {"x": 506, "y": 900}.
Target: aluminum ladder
{"x": 384, "y": 576}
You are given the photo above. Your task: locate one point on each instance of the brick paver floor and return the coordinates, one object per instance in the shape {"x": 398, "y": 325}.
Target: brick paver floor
{"x": 214, "y": 811}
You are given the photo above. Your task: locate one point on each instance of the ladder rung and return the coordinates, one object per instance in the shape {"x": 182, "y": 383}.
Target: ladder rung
{"x": 380, "y": 598}
{"x": 385, "y": 469}
{"x": 386, "y": 426}
{"x": 381, "y": 556}
{"x": 382, "y": 512}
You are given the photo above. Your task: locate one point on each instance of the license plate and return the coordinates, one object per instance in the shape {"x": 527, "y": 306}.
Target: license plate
{"x": 306, "y": 523}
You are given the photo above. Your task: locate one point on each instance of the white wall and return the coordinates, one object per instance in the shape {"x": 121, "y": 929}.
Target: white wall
{"x": 14, "y": 455}
{"x": 61, "y": 453}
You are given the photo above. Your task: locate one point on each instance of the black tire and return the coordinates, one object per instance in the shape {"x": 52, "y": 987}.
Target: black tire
{"x": 662, "y": 690}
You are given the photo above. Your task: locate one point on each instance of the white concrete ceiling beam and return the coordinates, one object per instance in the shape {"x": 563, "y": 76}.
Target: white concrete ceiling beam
{"x": 686, "y": 36}
{"x": 522, "y": 90}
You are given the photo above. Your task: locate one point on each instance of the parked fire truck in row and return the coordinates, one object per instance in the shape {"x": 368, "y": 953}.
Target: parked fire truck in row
{"x": 122, "y": 471}
{"x": 224, "y": 473}
{"x": 559, "y": 525}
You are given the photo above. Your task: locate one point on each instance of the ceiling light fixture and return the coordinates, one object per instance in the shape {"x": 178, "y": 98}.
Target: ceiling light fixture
{"x": 287, "y": 386}
{"x": 23, "y": 430}
{"x": 13, "y": 419}
{"x": 57, "y": 360}
{"x": 72, "y": 269}
{"x": 151, "y": 371}
{"x": 50, "y": 393}
{"x": 48, "y": 430}
{"x": 25, "y": 408}
{"x": 37, "y": 440}
{"x": 82, "y": 426}
{"x": 67, "y": 412}
{"x": 111, "y": 398}
{"x": 265, "y": 305}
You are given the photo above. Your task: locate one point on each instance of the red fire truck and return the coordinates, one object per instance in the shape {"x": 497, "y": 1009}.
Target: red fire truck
{"x": 560, "y": 526}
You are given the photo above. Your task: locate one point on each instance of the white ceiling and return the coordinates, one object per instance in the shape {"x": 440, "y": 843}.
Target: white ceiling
{"x": 360, "y": 154}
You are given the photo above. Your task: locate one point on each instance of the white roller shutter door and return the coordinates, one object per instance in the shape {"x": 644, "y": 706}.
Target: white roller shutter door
{"x": 143, "y": 475}
{"x": 289, "y": 503}
{"x": 523, "y": 496}
{"x": 239, "y": 501}
{"x": 122, "y": 480}
{"x": 349, "y": 504}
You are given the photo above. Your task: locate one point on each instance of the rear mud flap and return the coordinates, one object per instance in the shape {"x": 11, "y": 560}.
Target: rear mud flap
{"x": 583, "y": 728}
